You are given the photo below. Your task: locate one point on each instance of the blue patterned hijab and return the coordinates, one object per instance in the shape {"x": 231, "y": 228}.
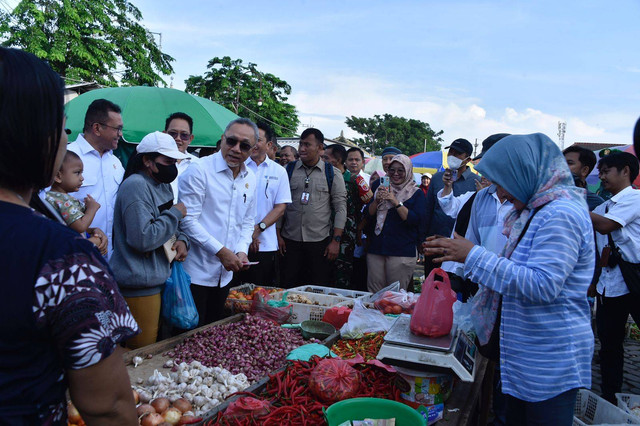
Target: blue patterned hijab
{"x": 532, "y": 169}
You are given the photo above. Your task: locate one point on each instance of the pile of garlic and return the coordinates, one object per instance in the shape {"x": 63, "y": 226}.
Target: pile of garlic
{"x": 204, "y": 387}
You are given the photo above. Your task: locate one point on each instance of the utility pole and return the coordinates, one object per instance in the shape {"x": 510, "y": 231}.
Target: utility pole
{"x": 562, "y": 128}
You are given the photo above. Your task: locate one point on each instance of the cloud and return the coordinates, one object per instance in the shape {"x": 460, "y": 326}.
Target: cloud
{"x": 326, "y": 103}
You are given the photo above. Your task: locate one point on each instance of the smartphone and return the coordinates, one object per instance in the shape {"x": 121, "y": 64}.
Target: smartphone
{"x": 454, "y": 175}
{"x": 384, "y": 181}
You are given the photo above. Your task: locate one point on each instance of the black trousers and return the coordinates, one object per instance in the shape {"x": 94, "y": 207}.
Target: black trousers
{"x": 359, "y": 274}
{"x": 261, "y": 274}
{"x": 209, "y": 302}
{"x": 611, "y": 317}
{"x": 304, "y": 263}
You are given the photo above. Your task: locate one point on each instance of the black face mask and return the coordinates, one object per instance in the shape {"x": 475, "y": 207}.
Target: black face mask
{"x": 165, "y": 174}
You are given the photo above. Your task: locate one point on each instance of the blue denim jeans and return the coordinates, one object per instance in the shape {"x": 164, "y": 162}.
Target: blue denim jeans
{"x": 557, "y": 411}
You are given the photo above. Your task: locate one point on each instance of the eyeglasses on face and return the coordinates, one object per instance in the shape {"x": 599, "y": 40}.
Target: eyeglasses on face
{"x": 118, "y": 129}
{"x": 183, "y": 136}
{"x": 244, "y": 146}
{"x": 396, "y": 171}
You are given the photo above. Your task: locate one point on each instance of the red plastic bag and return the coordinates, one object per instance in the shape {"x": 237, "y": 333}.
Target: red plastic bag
{"x": 337, "y": 316}
{"x": 247, "y": 406}
{"x": 396, "y": 302}
{"x": 334, "y": 379}
{"x": 433, "y": 314}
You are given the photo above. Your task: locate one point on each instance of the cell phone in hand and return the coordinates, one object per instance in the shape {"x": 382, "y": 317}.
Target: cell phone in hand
{"x": 384, "y": 181}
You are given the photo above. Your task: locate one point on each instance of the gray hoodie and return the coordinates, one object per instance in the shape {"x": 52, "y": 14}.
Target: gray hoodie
{"x": 139, "y": 231}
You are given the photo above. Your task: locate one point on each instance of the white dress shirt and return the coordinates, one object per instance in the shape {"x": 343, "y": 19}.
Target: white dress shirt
{"x": 182, "y": 167}
{"x": 102, "y": 177}
{"x": 221, "y": 212}
{"x": 623, "y": 208}
{"x": 366, "y": 176}
{"x": 452, "y": 205}
{"x": 273, "y": 188}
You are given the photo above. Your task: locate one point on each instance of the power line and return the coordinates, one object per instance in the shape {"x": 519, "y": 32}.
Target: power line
{"x": 266, "y": 119}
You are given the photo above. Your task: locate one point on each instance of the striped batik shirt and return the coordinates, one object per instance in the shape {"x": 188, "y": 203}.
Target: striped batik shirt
{"x": 546, "y": 341}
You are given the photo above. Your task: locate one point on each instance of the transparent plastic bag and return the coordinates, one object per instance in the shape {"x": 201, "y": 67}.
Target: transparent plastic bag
{"x": 433, "y": 314}
{"x": 462, "y": 316}
{"x": 397, "y": 302}
{"x": 178, "y": 307}
{"x": 363, "y": 320}
{"x": 274, "y": 310}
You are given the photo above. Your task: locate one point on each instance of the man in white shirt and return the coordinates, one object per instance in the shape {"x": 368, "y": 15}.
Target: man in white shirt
{"x": 103, "y": 171}
{"x": 180, "y": 127}
{"x": 272, "y": 196}
{"x": 616, "y": 220}
{"x": 219, "y": 192}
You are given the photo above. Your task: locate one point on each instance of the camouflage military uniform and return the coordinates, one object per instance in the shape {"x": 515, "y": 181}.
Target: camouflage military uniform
{"x": 343, "y": 264}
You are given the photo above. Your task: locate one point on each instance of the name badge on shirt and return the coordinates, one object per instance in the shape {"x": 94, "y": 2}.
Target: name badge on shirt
{"x": 304, "y": 199}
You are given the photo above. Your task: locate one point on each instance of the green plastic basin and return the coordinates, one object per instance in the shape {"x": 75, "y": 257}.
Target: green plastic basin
{"x": 373, "y": 408}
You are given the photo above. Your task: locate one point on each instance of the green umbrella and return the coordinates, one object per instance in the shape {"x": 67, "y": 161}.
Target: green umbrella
{"x": 145, "y": 109}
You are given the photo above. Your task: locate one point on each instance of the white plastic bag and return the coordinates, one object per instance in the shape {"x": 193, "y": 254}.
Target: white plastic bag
{"x": 363, "y": 320}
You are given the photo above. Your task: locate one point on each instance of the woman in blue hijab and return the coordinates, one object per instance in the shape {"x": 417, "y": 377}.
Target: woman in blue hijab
{"x": 542, "y": 276}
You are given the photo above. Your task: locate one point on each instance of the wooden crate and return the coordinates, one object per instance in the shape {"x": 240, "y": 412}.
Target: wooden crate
{"x": 156, "y": 350}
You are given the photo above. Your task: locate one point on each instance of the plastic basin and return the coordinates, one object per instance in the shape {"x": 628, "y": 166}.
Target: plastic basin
{"x": 373, "y": 408}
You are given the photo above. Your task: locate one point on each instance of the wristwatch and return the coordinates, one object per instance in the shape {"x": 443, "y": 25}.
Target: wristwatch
{"x": 399, "y": 205}
{"x": 337, "y": 238}
{"x": 262, "y": 226}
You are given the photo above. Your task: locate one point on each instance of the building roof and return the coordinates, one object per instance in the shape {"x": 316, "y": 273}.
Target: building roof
{"x": 595, "y": 146}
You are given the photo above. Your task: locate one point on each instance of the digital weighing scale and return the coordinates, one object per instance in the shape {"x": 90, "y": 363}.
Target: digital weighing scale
{"x": 455, "y": 351}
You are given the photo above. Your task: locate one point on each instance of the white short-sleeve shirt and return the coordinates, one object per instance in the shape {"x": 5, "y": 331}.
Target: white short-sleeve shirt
{"x": 622, "y": 208}
{"x": 272, "y": 185}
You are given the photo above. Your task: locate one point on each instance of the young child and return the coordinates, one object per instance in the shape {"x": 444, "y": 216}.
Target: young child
{"x": 78, "y": 216}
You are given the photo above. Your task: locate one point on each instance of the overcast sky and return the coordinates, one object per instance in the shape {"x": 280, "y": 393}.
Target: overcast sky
{"x": 468, "y": 68}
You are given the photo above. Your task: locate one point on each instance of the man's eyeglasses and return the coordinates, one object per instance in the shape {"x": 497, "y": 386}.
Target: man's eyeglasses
{"x": 396, "y": 171}
{"x": 118, "y": 129}
{"x": 183, "y": 136}
{"x": 244, "y": 146}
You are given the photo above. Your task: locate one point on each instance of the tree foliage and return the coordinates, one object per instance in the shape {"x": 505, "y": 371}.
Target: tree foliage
{"x": 88, "y": 40}
{"x": 408, "y": 135}
{"x": 241, "y": 87}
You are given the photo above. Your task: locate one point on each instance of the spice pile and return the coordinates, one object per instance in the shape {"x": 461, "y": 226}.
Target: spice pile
{"x": 252, "y": 346}
{"x": 367, "y": 346}
{"x": 292, "y": 401}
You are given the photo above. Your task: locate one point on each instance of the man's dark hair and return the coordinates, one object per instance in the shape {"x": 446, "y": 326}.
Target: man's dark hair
{"x": 354, "y": 149}
{"x": 586, "y": 156}
{"x": 268, "y": 131}
{"x": 293, "y": 149}
{"x": 315, "y": 132}
{"x": 339, "y": 152}
{"x": 620, "y": 160}
{"x": 98, "y": 112}
{"x": 181, "y": 116}
{"x": 31, "y": 115}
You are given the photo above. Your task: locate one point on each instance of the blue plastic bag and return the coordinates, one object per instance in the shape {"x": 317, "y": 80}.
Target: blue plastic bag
{"x": 178, "y": 307}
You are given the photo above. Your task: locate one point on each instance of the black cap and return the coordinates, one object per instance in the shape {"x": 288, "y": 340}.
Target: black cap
{"x": 462, "y": 145}
{"x": 489, "y": 142}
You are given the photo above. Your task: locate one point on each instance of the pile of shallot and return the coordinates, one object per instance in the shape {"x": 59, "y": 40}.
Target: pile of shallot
{"x": 253, "y": 346}
{"x": 202, "y": 387}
